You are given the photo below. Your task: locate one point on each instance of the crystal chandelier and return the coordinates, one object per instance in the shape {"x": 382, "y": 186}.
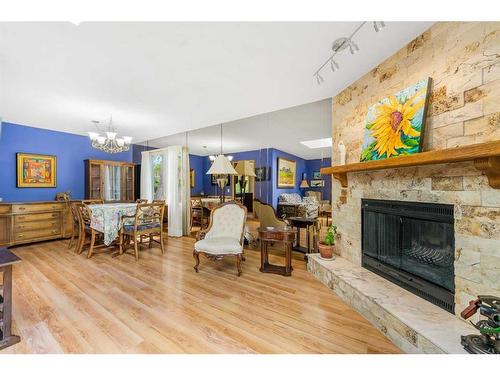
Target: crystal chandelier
{"x": 109, "y": 143}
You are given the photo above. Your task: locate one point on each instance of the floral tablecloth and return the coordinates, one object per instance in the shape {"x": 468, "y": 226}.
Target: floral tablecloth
{"x": 106, "y": 218}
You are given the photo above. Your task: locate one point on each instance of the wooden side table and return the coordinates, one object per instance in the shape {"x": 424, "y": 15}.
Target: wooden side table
{"x": 307, "y": 223}
{"x": 284, "y": 236}
{"x": 7, "y": 259}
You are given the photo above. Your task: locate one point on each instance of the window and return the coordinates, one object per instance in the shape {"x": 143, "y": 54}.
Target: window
{"x": 158, "y": 183}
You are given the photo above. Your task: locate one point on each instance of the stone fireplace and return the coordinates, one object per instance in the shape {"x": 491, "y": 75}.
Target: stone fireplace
{"x": 463, "y": 60}
{"x": 463, "y": 251}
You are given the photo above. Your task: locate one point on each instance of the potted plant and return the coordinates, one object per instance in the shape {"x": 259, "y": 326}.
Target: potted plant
{"x": 327, "y": 247}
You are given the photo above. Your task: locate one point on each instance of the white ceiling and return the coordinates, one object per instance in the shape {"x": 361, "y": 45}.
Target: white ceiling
{"x": 158, "y": 79}
{"x": 283, "y": 130}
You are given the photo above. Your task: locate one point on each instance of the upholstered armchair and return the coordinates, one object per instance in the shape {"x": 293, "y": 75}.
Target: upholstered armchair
{"x": 267, "y": 216}
{"x": 224, "y": 235}
{"x": 292, "y": 204}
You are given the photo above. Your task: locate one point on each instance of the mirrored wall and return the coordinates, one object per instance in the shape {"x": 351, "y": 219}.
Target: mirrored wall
{"x": 278, "y": 156}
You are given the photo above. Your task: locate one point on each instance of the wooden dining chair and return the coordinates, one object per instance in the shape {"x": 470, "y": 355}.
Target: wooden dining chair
{"x": 84, "y": 217}
{"x": 200, "y": 215}
{"x": 141, "y": 201}
{"x": 93, "y": 201}
{"x": 75, "y": 227}
{"x": 147, "y": 221}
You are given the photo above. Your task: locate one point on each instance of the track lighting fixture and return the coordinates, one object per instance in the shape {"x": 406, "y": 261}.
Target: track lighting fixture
{"x": 341, "y": 44}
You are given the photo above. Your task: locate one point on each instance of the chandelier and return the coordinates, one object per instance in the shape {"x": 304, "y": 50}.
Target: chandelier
{"x": 109, "y": 143}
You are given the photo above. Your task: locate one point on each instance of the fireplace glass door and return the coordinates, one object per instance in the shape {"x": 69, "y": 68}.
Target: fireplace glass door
{"x": 427, "y": 251}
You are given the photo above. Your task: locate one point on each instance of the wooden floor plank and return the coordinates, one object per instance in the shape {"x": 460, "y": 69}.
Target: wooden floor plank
{"x": 65, "y": 303}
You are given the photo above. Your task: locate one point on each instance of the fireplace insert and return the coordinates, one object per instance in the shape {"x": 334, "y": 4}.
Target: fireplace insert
{"x": 413, "y": 245}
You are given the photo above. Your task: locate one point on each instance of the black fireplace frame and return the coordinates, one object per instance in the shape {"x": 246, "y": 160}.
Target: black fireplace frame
{"x": 431, "y": 292}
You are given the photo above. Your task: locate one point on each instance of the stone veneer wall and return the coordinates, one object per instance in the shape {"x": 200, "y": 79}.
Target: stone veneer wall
{"x": 463, "y": 60}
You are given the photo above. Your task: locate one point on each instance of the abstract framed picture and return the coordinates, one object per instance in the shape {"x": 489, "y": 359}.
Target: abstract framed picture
{"x": 316, "y": 175}
{"x": 37, "y": 171}
{"x": 287, "y": 173}
{"x": 395, "y": 125}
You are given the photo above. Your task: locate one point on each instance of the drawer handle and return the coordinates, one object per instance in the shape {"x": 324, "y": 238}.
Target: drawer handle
{"x": 20, "y": 235}
{"x": 54, "y": 215}
{"x": 22, "y": 208}
{"x": 21, "y": 226}
{"x": 54, "y": 231}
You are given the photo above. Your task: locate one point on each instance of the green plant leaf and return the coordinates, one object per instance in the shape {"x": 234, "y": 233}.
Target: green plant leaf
{"x": 410, "y": 142}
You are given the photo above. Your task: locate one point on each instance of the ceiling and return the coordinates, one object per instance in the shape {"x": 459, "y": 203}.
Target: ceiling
{"x": 158, "y": 79}
{"x": 283, "y": 130}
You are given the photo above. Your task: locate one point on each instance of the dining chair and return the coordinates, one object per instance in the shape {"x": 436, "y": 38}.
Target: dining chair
{"x": 141, "y": 201}
{"x": 93, "y": 201}
{"x": 147, "y": 221}
{"x": 84, "y": 217}
{"x": 199, "y": 214}
{"x": 75, "y": 227}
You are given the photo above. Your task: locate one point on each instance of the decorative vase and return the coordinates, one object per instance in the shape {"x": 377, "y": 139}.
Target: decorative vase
{"x": 341, "y": 147}
{"x": 326, "y": 251}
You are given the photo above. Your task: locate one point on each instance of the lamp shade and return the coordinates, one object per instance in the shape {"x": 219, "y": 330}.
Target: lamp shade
{"x": 304, "y": 184}
{"x": 221, "y": 165}
{"x": 245, "y": 168}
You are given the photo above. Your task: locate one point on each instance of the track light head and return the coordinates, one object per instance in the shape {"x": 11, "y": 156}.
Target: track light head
{"x": 378, "y": 25}
{"x": 319, "y": 79}
{"x": 333, "y": 65}
{"x": 353, "y": 47}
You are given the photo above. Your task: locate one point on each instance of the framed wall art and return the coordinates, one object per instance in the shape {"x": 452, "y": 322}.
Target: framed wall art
{"x": 287, "y": 173}
{"x": 395, "y": 125}
{"x": 36, "y": 171}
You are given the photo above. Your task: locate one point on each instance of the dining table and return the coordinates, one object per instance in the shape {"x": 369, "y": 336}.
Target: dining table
{"x": 106, "y": 218}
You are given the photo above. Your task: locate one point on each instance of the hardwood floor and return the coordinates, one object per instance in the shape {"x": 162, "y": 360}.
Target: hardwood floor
{"x": 65, "y": 303}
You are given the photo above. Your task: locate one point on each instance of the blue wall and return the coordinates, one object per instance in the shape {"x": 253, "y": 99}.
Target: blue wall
{"x": 196, "y": 162}
{"x": 314, "y": 166}
{"x": 70, "y": 149}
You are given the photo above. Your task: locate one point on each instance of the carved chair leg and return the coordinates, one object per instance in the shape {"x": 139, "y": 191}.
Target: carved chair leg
{"x": 238, "y": 263}
{"x": 81, "y": 241}
{"x": 121, "y": 242}
{"x": 72, "y": 239}
{"x": 92, "y": 241}
{"x": 196, "y": 257}
{"x": 136, "y": 248}
{"x": 161, "y": 243}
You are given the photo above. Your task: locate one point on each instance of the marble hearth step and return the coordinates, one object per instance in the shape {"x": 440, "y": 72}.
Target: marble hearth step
{"x": 410, "y": 322}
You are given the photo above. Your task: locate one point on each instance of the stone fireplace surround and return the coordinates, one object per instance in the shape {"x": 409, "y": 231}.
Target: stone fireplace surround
{"x": 412, "y": 323}
{"x": 463, "y": 61}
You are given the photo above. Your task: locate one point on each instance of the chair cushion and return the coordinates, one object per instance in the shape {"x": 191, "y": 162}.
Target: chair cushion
{"x": 130, "y": 227}
{"x": 219, "y": 245}
{"x": 290, "y": 198}
{"x": 227, "y": 222}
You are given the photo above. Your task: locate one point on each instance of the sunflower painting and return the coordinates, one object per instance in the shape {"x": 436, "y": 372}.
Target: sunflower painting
{"x": 395, "y": 125}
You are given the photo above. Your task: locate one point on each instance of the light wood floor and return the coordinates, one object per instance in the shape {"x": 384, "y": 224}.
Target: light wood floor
{"x": 65, "y": 303}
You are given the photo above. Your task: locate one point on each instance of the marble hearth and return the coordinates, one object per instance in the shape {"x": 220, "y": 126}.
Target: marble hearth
{"x": 410, "y": 322}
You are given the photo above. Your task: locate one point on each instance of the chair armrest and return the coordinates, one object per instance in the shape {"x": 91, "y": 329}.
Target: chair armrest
{"x": 124, "y": 217}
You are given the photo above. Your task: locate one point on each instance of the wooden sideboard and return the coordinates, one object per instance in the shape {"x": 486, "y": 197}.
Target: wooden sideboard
{"x": 27, "y": 222}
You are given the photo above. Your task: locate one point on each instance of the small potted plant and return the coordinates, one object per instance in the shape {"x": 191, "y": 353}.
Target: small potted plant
{"x": 327, "y": 247}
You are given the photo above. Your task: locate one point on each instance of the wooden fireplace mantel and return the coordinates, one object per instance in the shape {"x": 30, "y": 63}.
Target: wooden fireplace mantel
{"x": 486, "y": 157}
